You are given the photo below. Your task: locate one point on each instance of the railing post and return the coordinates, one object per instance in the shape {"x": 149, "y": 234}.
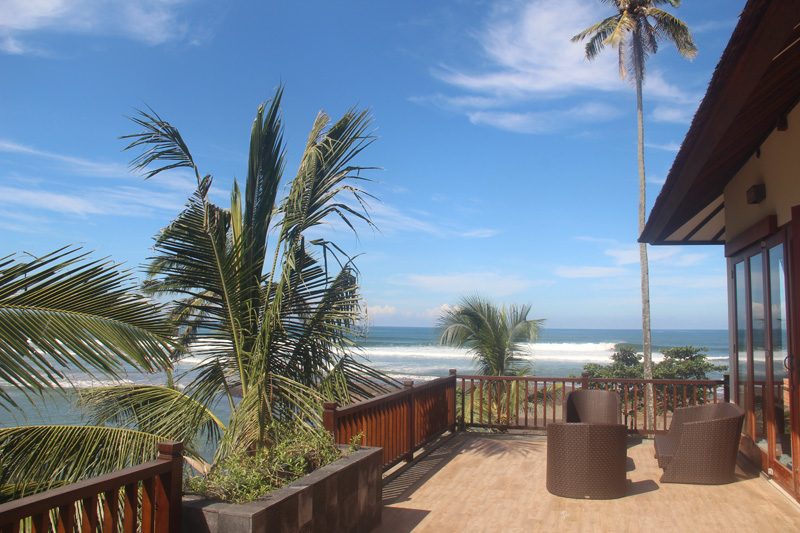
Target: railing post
{"x": 169, "y": 519}
{"x": 585, "y": 380}
{"x": 452, "y": 426}
{"x": 726, "y": 387}
{"x": 329, "y": 417}
{"x": 409, "y": 385}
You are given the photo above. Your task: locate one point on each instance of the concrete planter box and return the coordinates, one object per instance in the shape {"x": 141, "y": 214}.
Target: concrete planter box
{"x": 342, "y": 496}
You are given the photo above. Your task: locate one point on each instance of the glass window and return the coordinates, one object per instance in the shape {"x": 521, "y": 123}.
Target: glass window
{"x": 759, "y": 347}
{"x": 741, "y": 335}
{"x": 780, "y": 350}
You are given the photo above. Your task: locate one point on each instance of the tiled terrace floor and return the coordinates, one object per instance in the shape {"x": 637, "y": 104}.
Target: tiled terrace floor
{"x": 497, "y": 483}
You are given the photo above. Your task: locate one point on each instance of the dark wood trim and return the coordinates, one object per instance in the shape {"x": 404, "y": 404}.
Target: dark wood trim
{"x": 757, "y": 232}
{"x": 793, "y": 309}
{"x": 686, "y": 243}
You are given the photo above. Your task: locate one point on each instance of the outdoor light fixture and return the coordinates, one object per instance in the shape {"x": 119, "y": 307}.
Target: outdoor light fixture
{"x": 756, "y": 193}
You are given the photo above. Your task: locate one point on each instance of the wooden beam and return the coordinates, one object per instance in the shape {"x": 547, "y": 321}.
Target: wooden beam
{"x": 757, "y": 232}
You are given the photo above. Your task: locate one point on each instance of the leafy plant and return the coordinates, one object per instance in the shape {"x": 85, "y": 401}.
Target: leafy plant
{"x": 357, "y": 441}
{"x": 244, "y": 477}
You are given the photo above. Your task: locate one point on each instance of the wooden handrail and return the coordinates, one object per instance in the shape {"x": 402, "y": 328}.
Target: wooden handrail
{"x": 162, "y": 477}
{"x": 400, "y": 422}
{"x": 531, "y": 402}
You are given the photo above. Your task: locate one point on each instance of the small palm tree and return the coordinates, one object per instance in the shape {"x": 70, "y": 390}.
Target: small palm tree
{"x": 493, "y": 336}
{"x": 635, "y": 31}
{"x": 271, "y": 311}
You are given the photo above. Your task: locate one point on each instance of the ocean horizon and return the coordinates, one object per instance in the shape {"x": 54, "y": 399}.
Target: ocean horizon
{"x": 410, "y": 353}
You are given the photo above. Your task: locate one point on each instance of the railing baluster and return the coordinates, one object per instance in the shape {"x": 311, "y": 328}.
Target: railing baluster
{"x": 544, "y": 403}
{"x": 110, "y": 510}
{"x": 148, "y": 500}
{"x": 508, "y": 401}
{"x": 40, "y": 523}
{"x": 130, "y": 519}
{"x": 90, "y": 514}
{"x": 535, "y": 403}
{"x": 489, "y": 400}
{"x": 66, "y": 519}
{"x": 525, "y": 403}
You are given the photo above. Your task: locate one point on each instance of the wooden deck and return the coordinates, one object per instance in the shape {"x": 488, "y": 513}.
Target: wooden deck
{"x": 497, "y": 483}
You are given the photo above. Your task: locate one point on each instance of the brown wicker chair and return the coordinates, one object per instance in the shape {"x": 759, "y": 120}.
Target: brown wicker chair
{"x": 702, "y": 444}
{"x": 586, "y": 452}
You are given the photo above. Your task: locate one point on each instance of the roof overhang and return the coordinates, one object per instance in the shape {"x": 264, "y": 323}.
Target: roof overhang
{"x": 755, "y": 84}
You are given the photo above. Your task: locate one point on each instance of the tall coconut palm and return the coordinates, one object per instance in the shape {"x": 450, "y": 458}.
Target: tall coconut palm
{"x": 269, "y": 308}
{"x": 59, "y": 313}
{"x": 635, "y": 31}
{"x": 493, "y": 336}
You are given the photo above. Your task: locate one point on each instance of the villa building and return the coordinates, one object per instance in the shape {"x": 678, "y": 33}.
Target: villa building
{"x": 736, "y": 182}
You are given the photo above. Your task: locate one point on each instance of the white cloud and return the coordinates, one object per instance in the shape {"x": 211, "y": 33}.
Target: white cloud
{"x": 543, "y": 121}
{"x": 677, "y": 114}
{"x": 117, "y": 201}
{"x": 438, "y": 311}
{"x": 574, "y": 272}
{"x": 381, "y": 310}
{"x": 151, "y": 22}
{"x": 529, "y": 60}
{"x": 389, "y": 219}
{"x": 162, "y": 193}
{"x": 77, "y": 165}
{"x": 489, "y": 283}
{"x": 714, "y": 25}
{"x": 483, "y": 233}
{"x": 667, "y": 147}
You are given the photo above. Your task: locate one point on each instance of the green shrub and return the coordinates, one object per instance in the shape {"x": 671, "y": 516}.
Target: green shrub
{"x": 247, "y": 477}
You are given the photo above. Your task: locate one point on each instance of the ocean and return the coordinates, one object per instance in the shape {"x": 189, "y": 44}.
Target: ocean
{"x": 415, "y": 353}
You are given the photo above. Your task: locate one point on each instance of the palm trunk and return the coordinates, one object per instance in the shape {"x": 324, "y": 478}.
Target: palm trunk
{"x": 646, "y": 348}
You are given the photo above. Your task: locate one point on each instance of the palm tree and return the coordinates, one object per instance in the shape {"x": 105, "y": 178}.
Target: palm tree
{"x": 492, "y": 335}
{"x": 271, "y": 309}
{"x": 635, "y": 30}
{"x": 61, "y": 311}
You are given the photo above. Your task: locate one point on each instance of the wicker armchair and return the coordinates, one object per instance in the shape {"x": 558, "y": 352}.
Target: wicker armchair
{"x": 701, "y": 445}
{"x": 586, "y": 452}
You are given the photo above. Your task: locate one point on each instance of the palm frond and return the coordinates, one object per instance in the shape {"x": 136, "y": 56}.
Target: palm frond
{"x": 491, "y": 334}
{"x": 670, "y": 27}
{"x": 162, "y": 144}
{"x": 65, "y": 309}
{"x": 152, "y": 409}
{"x": 37, "y": 458}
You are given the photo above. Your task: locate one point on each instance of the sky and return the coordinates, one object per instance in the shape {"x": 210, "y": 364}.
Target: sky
{"x": 507, "y": 162}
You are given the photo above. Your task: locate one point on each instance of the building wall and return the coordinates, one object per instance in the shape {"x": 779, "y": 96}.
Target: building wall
{"x": 778, "y": 168}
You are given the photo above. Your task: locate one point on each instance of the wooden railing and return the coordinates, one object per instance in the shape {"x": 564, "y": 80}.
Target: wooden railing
{"x": 400, "y": 422}
{"x": 530, "y": 402}
{"x": 108, "y": 503}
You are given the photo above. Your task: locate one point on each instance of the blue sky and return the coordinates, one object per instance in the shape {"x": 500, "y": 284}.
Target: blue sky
{"x": 508, "y": 161}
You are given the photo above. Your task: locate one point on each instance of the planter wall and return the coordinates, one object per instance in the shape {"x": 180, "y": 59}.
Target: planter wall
{"x": 342, "y": 496}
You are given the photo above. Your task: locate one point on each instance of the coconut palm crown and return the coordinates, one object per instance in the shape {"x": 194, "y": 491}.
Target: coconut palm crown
{"x": 491, "y": 334}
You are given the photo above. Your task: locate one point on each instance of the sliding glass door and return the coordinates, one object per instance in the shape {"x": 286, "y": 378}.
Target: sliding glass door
{"x": 763, "y": 386}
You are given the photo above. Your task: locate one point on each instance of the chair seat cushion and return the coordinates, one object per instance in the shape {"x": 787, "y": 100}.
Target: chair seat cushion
{"x": 665, "y": 449}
